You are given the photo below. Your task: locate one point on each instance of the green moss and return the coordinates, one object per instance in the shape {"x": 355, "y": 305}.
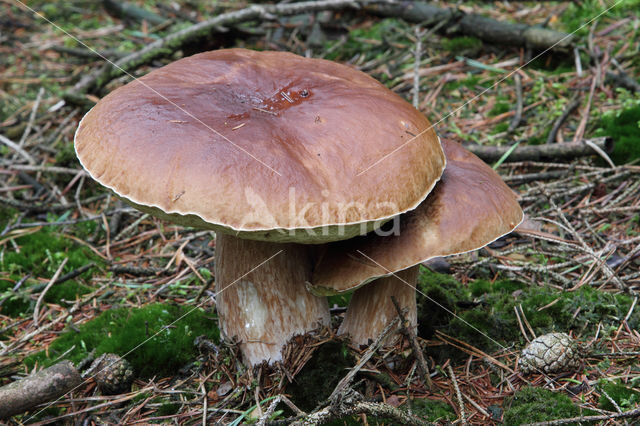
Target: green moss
{"x": 167, "y": 408}
{"x": 624, "y": 127}
{"x": 67, "y": 290}
{"x": 482, "y": 313}
{"x": 625, "y": 396}
{"x": 499, "y": 108}
{"x": 462, "y": 45}
{"x": 320, "y": 375}
{"x": 500, "y": 127}
{"x": 40, "y": 254}
{"x": 437, "y": 299}
{"x": 7, "y": 214}
{"x": 578, "y": 15}
{"x": 122, "y": 330}
{"x": 15, "y": 303}
{"x": 341, "y": 299}
{"x": 368, "y": 40}
{"x": 537, "y": 404}
{"x": 66, "y": 156}
{"x": 480, "y": 287}
{"x": 432, "y": 410}
{"x": 470, "y": 82}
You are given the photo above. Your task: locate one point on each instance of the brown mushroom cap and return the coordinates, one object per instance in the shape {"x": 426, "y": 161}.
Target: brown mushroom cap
{"x": 250, "y": 142}
{"x": 469, "y": 208}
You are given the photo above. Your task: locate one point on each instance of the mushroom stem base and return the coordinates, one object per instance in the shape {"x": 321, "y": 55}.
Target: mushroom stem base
{"x": 371, "y": 308}
{"x": 261, "y": 297}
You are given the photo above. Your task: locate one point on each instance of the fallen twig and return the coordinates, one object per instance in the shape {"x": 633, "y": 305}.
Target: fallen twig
{"x": 376, "y": 409}
{"x": 175, "y": 41}
{"x": 363, "y": 360}
{"x": 41, "y": 387}
{"x": 463, "y": 416}
{"x": 573, "y": 104}
{"x": 517, "y": 117}
{"x": 409, "y": 332}
{"x": 624, "y": 415}
{"x": 131, "y": 11}
{"x": 565, "y": 151}
{"x": 482, "y": 27}
{"x": 53, "y": 280}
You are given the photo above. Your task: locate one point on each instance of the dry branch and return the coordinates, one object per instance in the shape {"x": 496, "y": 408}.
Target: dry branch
{"x": 577, "y": 420}
{"x": 376, "y": 409}
{"x": 552, "y": 152}
{"x": 177, "y": 40}
{"x": 409, "y": 332}
{"x": 131, "y": 11}
{"x": 342, "y": 385}
{"x": 41, "y": 387}
{"x": 486, "y": 29}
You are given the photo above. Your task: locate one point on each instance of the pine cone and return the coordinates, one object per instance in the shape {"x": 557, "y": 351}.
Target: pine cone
{"x": 550, "y": 353}
{"x": 113, "y": 374}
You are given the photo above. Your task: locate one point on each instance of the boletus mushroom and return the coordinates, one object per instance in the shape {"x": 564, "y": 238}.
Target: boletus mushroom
{"x": 469, "y": 208}
{"x": 270, "y": 151}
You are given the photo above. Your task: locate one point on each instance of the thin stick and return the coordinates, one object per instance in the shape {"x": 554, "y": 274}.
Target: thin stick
{"x": 573, "y": 104}
{"x": 367, "y": 355}
{"x": 293, "y": 406}
{"x": 270, "y": 410}
{"x": 526, "y": 322}
{"x": 17, "y": 148}
{"x": 329, "y": 413}
{"x": 32, "y": 117}
{"x": 52, "y": 281}
{"x": 625, "y": 415}
{"x": 416, "y": 66}
{"x": 407, "y": 329}
{"x": 517, "y": 117}
{"x": 585, "y": 114}
{"x": 515, "y": 309}
{"x": 463, "y": 416}
{"x": 600, "y": 152}
{"x": 477, "y": 406}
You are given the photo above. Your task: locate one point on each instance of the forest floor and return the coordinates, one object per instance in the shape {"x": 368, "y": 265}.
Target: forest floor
{"x": 82, "y": 274}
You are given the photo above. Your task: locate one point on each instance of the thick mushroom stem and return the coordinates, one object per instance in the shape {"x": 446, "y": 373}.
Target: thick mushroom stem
{"x": 261, "y": 297}
{"x": 371, "y": 308}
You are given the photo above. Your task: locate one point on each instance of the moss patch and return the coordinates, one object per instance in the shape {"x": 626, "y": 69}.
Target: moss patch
{"x": 121, "y": 330}
{"x": 320, "y": 375}
{"x": 536, "y": 405}
{"x": 66, "y": 156}
{"x": 368, "y": 38}
{"x": 625, "y": 396}
{"x": 39, "y": 254}
{"x": 432, "y": 410}
{"x": 462, "y": 45}
{"x": 486, "y": 307}
{"x": 168, "y": 408}
{"x": 624, "y": 127}
{"x": 15, "y": 303}
{"x": 341, "y": 299}
{"x": 499, "y": 108}
{"x": 577, "y": 15}
{"x": 6, "y": 214}
{"x": 429, "y": 410}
